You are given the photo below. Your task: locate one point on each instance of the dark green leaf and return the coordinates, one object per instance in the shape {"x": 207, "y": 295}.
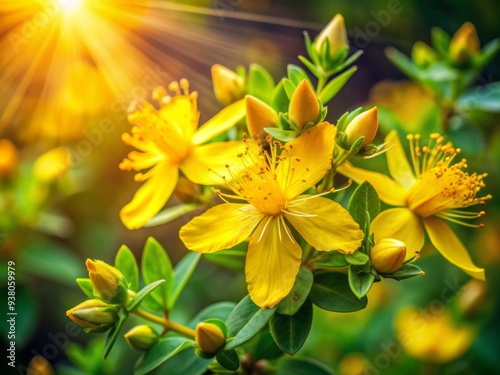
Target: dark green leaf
{"x": 182, "y": 273}
{"x": 300, "y": 290}
{"x": 364, "y": 199}
{"x": 143, "y": 293}
{"x": 331, "y": 291}
{"x": 291, "y": 331}
{"x": 260, "y": 83}
{"x": 161, "y": 352}
{"x": 488, "y": 53}
{"x": 303, "y": 366}
{"x": 156, "y": 265}
{"x": 265, "y": 347}
{"x": 405, "y": 272}
{"x": 126, "y": 263}
{"x": 360, "y": 281}
{"x": 403, "y": 63}
{"x": 115, "y": 331}
{"x": 229, "y": 360}
{"x": 357, "y": 258}
{"x": 86, "y": 286}
{"x": 171, "y": 213}
{"x": 333, "y": 259}
{"x": 246, "y": 320}
{"x": 220, "y": 310}
{"x": 334, "y": 86}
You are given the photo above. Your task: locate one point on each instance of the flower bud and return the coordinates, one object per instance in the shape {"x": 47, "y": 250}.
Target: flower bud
{"x": 142, "y": 337}
{"x": 335, "y": 32}
{"x": 422, "y": 54}
{"x": 52, "y": 164}
{"x": 464, "y": 44}
{"x": 363, "y": 125}
{"x": 259, "y": 116}
{"x": 304, "y": 106}
{"x": 39, "y": 366}
{"x": 209, "y": 337}
{"x": 472, "y": 298}
{"x": 8, "y": 158}
{"x": 353, "y": 364}
{"x": 228, "y": 86}
{"x": 388, "y": 255}
{"x": 94, "y": 315}
{"x": 109, "y": 283}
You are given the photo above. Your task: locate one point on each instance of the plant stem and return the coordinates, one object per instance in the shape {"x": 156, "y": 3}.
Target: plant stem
{"x": 179, "y": 328}
{"x": 321, "y": 83}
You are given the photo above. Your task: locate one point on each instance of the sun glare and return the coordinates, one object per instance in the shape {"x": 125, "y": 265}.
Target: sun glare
{"x": 70, "y": 6}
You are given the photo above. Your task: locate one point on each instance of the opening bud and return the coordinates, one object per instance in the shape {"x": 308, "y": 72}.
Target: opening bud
{"x": 422, "y": 54}
{"x": 142, "y": 337}
{"x": 388, "y": 255}
{"x": 52, "y": 164}
{"x": 304, "y": 106}
{"x": 336, "y": 34}
{"x": 109, "y": 283}
{"x": 9, "y": 159}
{"x": 259, "y": 116}
{"x": 363, "y": 125}
{"x": 209, "y": 337}
{"x": 94, "y": 315}
{"x": 464, "y": 44}
{"x": 39, "y": 366}
{"x": 229, "y": 87}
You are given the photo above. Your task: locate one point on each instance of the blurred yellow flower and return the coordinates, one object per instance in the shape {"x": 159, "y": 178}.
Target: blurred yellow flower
{"x": 432, "y": 337}
{"x": 169, "y": 140}
{"x": 271, "y": 188}
{"x": 433, "y": 190}
{"x": 9, "y": 158}
{"x": 52, "y": 164}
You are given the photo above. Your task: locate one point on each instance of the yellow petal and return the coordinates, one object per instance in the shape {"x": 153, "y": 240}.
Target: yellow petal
{"x": 397, "y": 161}
{"x": 388, "y": 190}
{"x": 448, "y": 244}
{"x": 151, "y": 196}
{"x": 222, "y": 121}
{"x": 181, "y": 114}
{"x": 400, "y": 224}
{"x": 272, "y": 263}
{"x": 331, "y": 227}
{"x": 221, "y": 227}
{"x": 207, "y": 163}
{"x": 308, "y": 158}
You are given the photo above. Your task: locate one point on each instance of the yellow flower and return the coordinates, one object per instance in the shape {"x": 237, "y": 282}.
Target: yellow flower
{"x": 52, "y": 164}
{"x": 432, "y": 337}
{"x": 169, "y": 140}
{"x": 9, "y": 158}
{"x": 433, "y": 190}
{"x": 271, "y": 188}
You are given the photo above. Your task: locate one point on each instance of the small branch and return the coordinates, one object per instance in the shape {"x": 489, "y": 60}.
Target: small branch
{"x": 179, "y": 328}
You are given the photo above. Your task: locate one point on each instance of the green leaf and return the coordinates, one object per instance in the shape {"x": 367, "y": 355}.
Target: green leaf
{"x": 143, "y": 293}
{"x": 233, "y": 259}
{"x": 357, "y": 258}
{"x": 364, "y": 199}
{"x": 405, "y": 272}
{"x": 171, "y": 213}
{"x": 246, "y": 320}
{"x": 291, "y": 331}
{"x": 403, "y": 63}
{"x": 331, "y": 291}
{"x": 126, "y": 263}
{"x": 279, "y": 99}
{"x": 334, "y": 86}
{"x": 115, "y": 331}
{"x": 289, "y": 87}
{"x": 260, "y": 83}
{"x": 440, "y": 41}
{"x": 487, "y": 54}
{"x": 156, "y": 265}
{"x": 360, "y": 281}
{"x": 485, "y": 98}
{"x": 332, "y": 259}
{"x": 309, "y": 366}
{"x": 296, "y": 74}
{"x": 229, "y": 360}
{"x": 219, "y": 310}
{"x": 161, "y": 352}
{"x": 310, "y": 65}
{"x": 297, "y": 296}
{"x": 86, "y": 286}
{"x": 265, "y": 347}
{"x": 182, "y": 273}
{"x": 282, "y": 135}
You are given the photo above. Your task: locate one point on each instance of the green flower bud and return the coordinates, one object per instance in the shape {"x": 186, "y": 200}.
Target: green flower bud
{"x": 109, "y": 283}
{"x": 363, "y": 125}
{"x": 464, "y": 44}
{"x": 209, "y": 337}
{"x": 422, "y": 54}
{"x": 142, "y": 337}
{"x": 228, "y": 86}
{"x": 336, "y": 34}
{"x": 304, "y": 106}
{"x": 94, "y": 315}
{"x": 388, "y": 255}
{"x": 259, "y": 116}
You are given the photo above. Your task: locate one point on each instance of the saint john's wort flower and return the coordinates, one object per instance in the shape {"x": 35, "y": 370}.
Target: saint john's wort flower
{"x": 270, "y": 188}
{"x": 433, "y": 190}
{"x": 169, "y": 140}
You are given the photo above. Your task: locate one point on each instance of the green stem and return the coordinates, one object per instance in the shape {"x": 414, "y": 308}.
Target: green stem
{"x": 321, "y": 83}
{"x": 179, "y": 328}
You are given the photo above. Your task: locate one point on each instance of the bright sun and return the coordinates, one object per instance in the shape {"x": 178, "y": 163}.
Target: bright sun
{"x": 70, "y": 6}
